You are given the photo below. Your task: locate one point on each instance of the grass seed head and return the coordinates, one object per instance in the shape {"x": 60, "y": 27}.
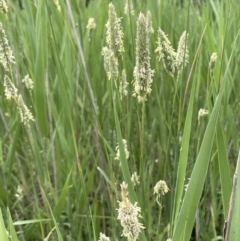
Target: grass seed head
{"x": 123, "y": 85}
{"x": 91, "y": 24}
{"x": 114, "y": 31}
{"x": 166, "y": 53}
{"x": 142, "y": 72}
{"x": 25, "y": 113}
{"x": 149, "y": 20}
{"x": 160, "y": 188}
{"x": 110, "y": 63}
{"x": 103, "y": 237}
{"x": 182, "y": 55}
{"x": 135, "y": 179}
{"x": 125, "y": 150}
{"x": 202, "y": 113}
{"x": 28, "y": 82}
{"x": 10, "y": 89}
{"x": 6, "y": 54}
{"x": 212, "y": 62}
{"x": 128, "y": 215}
{"x": 128, "y": 9}
{"x": 56, "y": 2}
{"x": 3, "y": 7}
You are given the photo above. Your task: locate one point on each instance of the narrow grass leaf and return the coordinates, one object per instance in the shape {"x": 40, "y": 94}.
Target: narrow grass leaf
{"x": 183, "y": 156}
{"x": 24, "y": 222}
{"x": 224, "y": 170}
{"x": 3, "y": 233}
{"x": 60, "y": 238}
{"x": 233, "y": 231}
{"x": 11, "y": 228}
{"x": 105, "y": 177}
{"x": 12, "y": 149}
{"x": 40, "y": 68}
{"x": 61, "y": 201}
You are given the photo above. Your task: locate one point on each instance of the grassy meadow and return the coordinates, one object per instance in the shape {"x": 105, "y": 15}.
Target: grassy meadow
{"x": 72, "y": 138}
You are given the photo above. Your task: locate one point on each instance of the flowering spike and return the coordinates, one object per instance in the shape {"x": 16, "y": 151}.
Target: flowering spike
{"x": 128, "y": 215}
{"x": 166, "y": 52}
{"x": 123, "y": 84}
{"x": 202, "y": 113}
{"x": 10, "y": 89}
{"x": 128, "y": 9}
{"x": 135, "y": 179}
{"x": 25, "y": 113}
{"x": 142, "y": 72}
{"x": 114, "y": 31}
{"x": 149, "y": 20}
{"x": 212, "y": 62}
{"x": 125, "y": 150}
{"x": 182, "y": 52}
{"x": 160, "y": 188}
{"x": 3, "y": 7}
{"x": 103, "y": 237}
{"x": 28, "y": 82}
{"x": 91, "y": 24}
{"x": 6, "y": 54}
{"x": 56, "y": 2}
{"x": 110, "y": 63}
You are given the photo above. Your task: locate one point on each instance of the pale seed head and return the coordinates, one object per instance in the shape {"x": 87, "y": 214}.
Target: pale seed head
{"x": 123, "y": 84}
{"x": 25, "y": 113}
{"x": 182, "y": 52}
{"x": 212, "y": 62}
{"x": 103, "y": 237}
{"x": 56, "y": 2}
{"x": 128, "y": 9}
{"x": 91, "y": 24}
{"x": 166, "y": 52}
{"x": 6, "y": 54}
{"x": 10, "y": 89}
{"x": 135, "y": 179}
{"x": 202, "y": 113}
{"x": 28, "y": 82}
{"x": 128, "y": 215}
{"x": 149, "y": 21}
{"x": 142, "y": 72}
{"x": 160, "y": 188}
{"x": 114, "y": 31}
{"x": 110, "y": 63}
{"x": 3, "y": 7}
{"x": 125, "y": 150}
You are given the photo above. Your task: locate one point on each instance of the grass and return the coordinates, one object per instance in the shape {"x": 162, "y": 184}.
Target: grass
{"x": 58, "y": 177}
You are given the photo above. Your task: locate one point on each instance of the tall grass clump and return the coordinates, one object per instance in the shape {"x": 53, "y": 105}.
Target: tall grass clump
{"x": 119, "y": 121}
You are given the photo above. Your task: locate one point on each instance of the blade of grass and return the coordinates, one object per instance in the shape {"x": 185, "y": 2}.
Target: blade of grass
{"x": 61, "y": 201}
{"x": 224, "y": 170}
{"x": 3, "y": 232}
{"x": 11, "y": 227}
{"x": 59, "y": 235}
{"x": 40, "y": 68}
{"x": 233, "y": 231}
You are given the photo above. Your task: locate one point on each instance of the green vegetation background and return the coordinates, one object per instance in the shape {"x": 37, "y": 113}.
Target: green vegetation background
{"x": 64, "y": 163}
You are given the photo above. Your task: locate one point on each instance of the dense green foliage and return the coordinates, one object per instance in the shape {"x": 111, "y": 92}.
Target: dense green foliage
{"x": 58, "y": 176}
